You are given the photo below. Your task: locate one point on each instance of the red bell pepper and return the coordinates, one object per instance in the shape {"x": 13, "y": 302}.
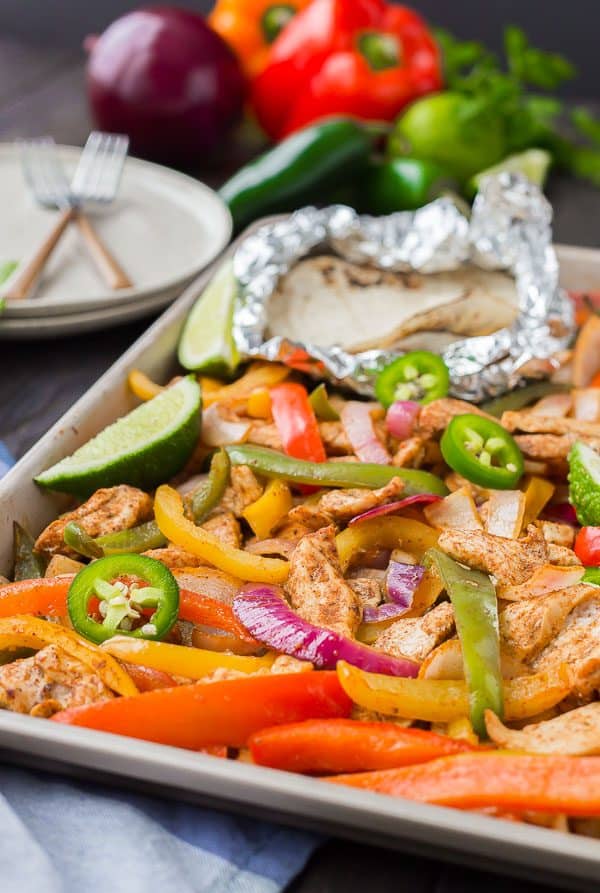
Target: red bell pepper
{"x": 347, "y": 745}
{"x": 363, "y": 58}
{"x": 296, "y": 422}
{"x": 587, "y": 546}
{"x": 552, "y": 784}
{"x": 202, "y": 715}
{"x": 147, "y": 678}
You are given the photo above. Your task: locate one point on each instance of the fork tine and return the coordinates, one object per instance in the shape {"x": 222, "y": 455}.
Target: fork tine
{"x": 43, "y": 171}
{"x": 100, "y": 167}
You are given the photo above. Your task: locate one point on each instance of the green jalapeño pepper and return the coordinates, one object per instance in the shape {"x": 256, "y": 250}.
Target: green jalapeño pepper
{"x": 419, "y": 375}
{"x": 273, "y": 464}
{"x": 122, "y": 604}
{"x": 482, "y": 451}
{"x": 475, "y": 606}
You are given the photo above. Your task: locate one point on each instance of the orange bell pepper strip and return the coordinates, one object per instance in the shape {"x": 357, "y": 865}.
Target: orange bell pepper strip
{"x": 46, "y": 596}
{"x": 170, "y": 517}
{"x": 444, "y": 700}
{"x": 347, "y": 745}
{"x": 205, "y": 611}
{"x": 296, "y": 422}
{"x": 388, "y": 532}
{"x": 147, "y": 678}
{"x": 258, "y": 375}
{"x": 142, "y": 386}
{"x": 251, "y": 27}
{"x": 32, "y": 632}
{"x": 201, "y": 715}
{"x": 553, "y": 784}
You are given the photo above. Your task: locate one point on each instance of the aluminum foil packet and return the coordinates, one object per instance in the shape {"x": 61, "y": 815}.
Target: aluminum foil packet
{"x": 509, "y": 229}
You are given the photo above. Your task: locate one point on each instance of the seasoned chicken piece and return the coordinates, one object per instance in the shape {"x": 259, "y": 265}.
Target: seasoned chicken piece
{"x": 575, "y": 733}
{"x": 551, "y": 447}
{"x": 410, "y": 453}
{"x": 335, "y": 439}
{"x": 529, "y": 625}
{"x": 332, "y": 434}
{"x": 264, "y": 434}
{"x": 416, "y": 637}
{"x": 108, "y": 510}
{"x": 49, "y": 681}
{"x": 578, "y": 646}
{"x": 531, "y": 423}
{"x": 455, "y": 481}
{"x": 553, "y": 405}
{"x": 369, "y": 590}
{"x": 340, "y": 506}
{"x": 562, "y": 555}
{"x": 437, "y": 415}
{"x": 510, "y": 561}
{"x": 292, "y": 530}
{"x": 226, "y": 528}
{"x": 316, "y": 588}
{"x": 175, "y": 557}
{"x": 242, "y": 491}
{"x": 559, "y": 534}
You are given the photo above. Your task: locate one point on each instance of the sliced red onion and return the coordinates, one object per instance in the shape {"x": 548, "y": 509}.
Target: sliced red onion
{"x": 391, "y": 507}
{"x": 401, "y": 418}
{"x": 402, "y": 581}
{"x": 267, "y": 616}
{"x": 386, "y": 611}
{"x": 358, "y": 425}
{"x": 563, "y": 512}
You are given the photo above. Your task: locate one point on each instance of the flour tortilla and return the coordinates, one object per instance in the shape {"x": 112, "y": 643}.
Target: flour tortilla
{"x": 326, "y": 300}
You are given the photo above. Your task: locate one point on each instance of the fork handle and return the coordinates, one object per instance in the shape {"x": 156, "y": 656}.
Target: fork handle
{"x": 114, "y": 275}
{"x": 24, "y": 281}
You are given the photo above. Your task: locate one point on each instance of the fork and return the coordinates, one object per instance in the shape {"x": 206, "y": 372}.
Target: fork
{"x": 96, "y": 180}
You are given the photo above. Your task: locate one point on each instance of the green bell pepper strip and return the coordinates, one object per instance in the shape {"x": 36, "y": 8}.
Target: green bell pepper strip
{"x": 475, "y": 606}
{"x": 136, "y": 539}
{"x": 521, "y": 397}
{"x": 210, "y": 494}
{"x": 322, "y": 408}
{"x": 299, "y": 170}
{"x": 76, "y": 538}
{"x": 28, "y": 564}
{"x": 419, "y": 375}
{"x": 592, "y": 575}
{"x": 482, "y": 451}
{"x": 123, "y": 604}
{"x": 272, "y": 464}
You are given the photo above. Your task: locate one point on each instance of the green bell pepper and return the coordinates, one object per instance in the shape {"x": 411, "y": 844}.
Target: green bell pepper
{"x": 322, "y": 408}
{"x": 28, "y": 564}
{"x": 209, "y": 494}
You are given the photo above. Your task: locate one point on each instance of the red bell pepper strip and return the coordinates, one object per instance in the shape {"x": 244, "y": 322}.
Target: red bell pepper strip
{"x": 45, "y": 597}
{"x": 362, "y": 58}
{"x": 296, "y": 422}
{"x": 147, "y": 678}
{"x": 347, "y": 745}
{"x": 202, "y": 715}
{"x": 553, "y": 784}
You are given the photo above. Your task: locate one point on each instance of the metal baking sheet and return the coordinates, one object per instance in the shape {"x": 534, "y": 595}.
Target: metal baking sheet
{"x": 547, "y": 856}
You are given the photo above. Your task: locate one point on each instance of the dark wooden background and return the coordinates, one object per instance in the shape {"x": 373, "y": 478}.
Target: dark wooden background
{"x": 41, "y": 91}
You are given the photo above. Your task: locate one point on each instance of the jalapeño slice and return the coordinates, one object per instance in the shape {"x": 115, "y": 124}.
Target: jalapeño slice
{"x": 482, "y": 451}
{"x": 419, "y": 375}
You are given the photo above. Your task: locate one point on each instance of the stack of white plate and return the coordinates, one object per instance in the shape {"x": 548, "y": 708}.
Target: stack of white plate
{"x": 163, "y": 228}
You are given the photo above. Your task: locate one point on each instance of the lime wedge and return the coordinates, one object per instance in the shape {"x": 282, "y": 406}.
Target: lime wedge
{"x": 533, "y": 164}
{"x": 207, "y": 343}
{"x": 144, "y": 448}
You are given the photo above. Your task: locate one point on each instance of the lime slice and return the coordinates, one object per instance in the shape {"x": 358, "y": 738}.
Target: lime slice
{"x": 533, "y": 164}
{"x": 144, "y": 448}
{"x": 207, "y": 343}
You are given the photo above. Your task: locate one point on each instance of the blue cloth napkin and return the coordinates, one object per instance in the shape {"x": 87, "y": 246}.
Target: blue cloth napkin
{"x": 59, "y": 836}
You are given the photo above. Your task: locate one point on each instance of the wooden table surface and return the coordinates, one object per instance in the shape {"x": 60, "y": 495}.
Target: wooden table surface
{"x": 42, "y": 92}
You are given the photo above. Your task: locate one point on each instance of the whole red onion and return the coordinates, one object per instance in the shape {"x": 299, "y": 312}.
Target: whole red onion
{"x": 161, "y": 76}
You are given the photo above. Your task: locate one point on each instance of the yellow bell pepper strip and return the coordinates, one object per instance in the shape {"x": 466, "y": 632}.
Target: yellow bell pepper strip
{"x": 268, "y": 510}
{"x": 32, "y": 632}
{"x": 259, "y": 404}
{"x": 179, "y": 660}
{"x": 550, "y": 784}
{"x": 142, "y": 386}
{"x": 475, "y": 606}
{"x": 538, "y": 491}
{"x": 252, "y": 26}
{"x": 388, "y": 532}
{"x": 271, "y": 463}
{"x": 258, "y": 375}
{"x": 442, "y": 700}
{"x": 201, "y": 715}
{"x": 170, "y": 517}
{"x": 210, "y": 494}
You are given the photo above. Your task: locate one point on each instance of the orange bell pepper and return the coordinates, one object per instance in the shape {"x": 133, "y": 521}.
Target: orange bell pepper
{"x": 147, "y": 678}
{"x": 347, "y": 745}
{"x": 235, "y": 395}
{"x": 142, "y": 386}
{"x": 551, "y": 784}
{"x": 206, "y": 611}
{"x": 46, "y": 596}
{"x": 202, "y": 715}
{"x": 251, "y": 26}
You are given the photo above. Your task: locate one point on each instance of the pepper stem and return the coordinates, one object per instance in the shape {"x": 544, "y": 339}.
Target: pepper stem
{"x": 380, "y": 50}
{"x": 274, "y": 20}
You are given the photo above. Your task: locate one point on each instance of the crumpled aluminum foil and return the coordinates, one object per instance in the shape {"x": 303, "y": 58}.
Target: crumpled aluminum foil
{"x": 509, "y": 229}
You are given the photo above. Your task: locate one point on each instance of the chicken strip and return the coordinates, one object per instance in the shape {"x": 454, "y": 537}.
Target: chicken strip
{"x": 226, "y": 528}
{"x": 416, "y": 637}
{"x": 551, "y": 447}
{"x": 510, "y": 561}
{"x": 557, "y": 533}
{"x": 369, "y": 590}
{"x": 437, "y": 415}
{"x": 243, "y": 490}
{"x": 107, "y": 511}
{"x": 332, "y": 434}
{"x": 50, "y": 681}
{"x": 410, "y": 453}
{"x": 575, "y": 733}
{"x": 562, "y": 556}
{"x": 531, "y": 423}
{"x": 578, "y": 646}
{"x": 174, "y": 557}
{"x": 316, "y": 588}
{"x": 340, "y": 506}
